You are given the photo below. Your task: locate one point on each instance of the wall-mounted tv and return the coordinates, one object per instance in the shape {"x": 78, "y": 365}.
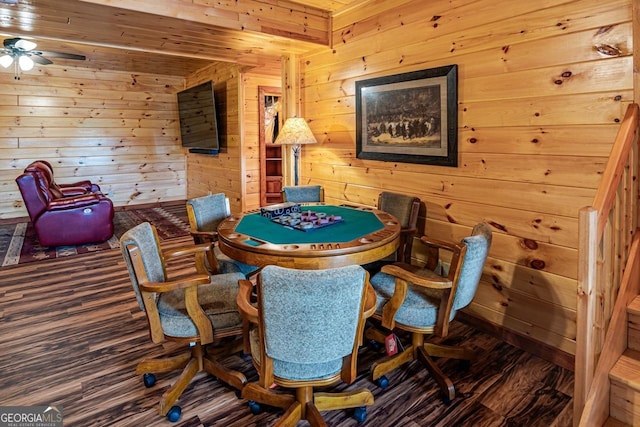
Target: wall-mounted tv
{"x": 198, "y": 125}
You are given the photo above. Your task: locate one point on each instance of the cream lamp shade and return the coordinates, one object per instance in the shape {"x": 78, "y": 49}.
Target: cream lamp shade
{"x": 295, "y": 132}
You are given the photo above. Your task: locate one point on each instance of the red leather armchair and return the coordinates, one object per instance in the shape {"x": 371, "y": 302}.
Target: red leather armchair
{"x": 64, "y": 215}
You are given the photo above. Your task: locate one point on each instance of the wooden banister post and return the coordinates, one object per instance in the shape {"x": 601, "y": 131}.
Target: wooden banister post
{"x": 585, "y": 307}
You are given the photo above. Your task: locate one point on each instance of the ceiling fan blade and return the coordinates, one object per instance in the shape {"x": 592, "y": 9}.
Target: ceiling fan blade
{"x": 64, "y": 55}
{"x": 40, "y": 60}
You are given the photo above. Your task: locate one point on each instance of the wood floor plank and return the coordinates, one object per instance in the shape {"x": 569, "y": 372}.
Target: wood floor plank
{"x": 71, "y": 334}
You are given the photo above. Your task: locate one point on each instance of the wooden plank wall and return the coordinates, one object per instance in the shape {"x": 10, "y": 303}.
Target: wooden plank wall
{"x": 117, "y": 129}
{"x": 236, "y": 170}
{"x": 221, "y": 172}
{"x": 542, "y": 88}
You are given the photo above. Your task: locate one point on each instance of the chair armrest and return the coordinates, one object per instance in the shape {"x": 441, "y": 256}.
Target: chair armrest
{"x": 172, "y": 285}
{"x": 370, "y": 301}
{"x": 185, "y": 250}
{"x": 212, "y": 235}
{"x": 440, "y": 244}
{"x": 409, "y": 273}
{"x": 190, "y": 286}
{"x": 248, "y": 311}
{"x": 405, "y": 274}
{"x": 85, "y": 183}
{"x": 73, "y": 202}
{"x": 408, "y": 231}
{"x": 433, "y": 250}
{"x": 73, "y": 191}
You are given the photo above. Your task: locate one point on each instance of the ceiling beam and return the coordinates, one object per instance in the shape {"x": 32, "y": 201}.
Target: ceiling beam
{"x": 168, "y": 36}
{"x": 270, "y": 17}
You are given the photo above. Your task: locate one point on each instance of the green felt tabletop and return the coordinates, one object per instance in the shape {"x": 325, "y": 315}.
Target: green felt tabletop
{"x": 357, "y": 223}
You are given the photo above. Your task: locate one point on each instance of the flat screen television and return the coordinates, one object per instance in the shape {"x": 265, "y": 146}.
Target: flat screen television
{"x": 198, "y": 125}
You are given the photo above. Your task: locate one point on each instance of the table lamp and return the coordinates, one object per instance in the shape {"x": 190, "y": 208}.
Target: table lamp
{"x": 295, "y": 132}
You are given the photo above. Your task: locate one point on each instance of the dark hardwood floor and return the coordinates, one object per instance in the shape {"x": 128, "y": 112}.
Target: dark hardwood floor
{"x": 71, "y": 334}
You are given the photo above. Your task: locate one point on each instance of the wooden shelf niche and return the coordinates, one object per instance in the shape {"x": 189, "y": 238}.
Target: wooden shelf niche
{"x": 270, "y": 155}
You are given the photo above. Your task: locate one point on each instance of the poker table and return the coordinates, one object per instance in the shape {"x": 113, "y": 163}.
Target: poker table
{"x": 362, "y": 236}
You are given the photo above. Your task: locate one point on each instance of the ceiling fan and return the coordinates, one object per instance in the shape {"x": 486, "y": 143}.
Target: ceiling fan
{"x": 21, "y": 53}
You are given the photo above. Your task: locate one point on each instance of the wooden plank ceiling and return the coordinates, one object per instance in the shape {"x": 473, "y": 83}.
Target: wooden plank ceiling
{"x": 174, "y": 37}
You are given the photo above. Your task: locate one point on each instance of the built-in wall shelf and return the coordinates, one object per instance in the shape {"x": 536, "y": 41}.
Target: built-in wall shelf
{"x": 273, "y": 174}
{"x": 270, "y": 154}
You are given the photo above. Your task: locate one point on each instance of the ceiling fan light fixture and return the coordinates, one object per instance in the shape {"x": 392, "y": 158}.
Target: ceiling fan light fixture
{"x": 6, "y": 60}
{"x": 20, "y": 53}
{"x": 25, "y": 44}
{"x": 25, "y": 63}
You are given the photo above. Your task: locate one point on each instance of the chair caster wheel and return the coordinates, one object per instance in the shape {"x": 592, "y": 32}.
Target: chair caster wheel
{"x": 360, "y": 414}
{"x": 255, "y": 407}
{"x": 149, "y": 380}
{"x": 174, "y": 413}
{"x": 382, "y": 382}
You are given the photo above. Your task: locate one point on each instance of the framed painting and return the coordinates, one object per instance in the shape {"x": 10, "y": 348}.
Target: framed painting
{"x": 410, "y": 117}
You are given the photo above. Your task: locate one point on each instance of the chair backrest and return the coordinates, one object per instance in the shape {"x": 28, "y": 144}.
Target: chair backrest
{"x": 147, "y": 265}
{"x": 190, "y": 306}
{"x": 405, "y": 208}
{"x": 36, "y": 192}
{"x": 310, "y": 318}
{"x": 470, "y": 269}
{"x": 303, "y": 194}
{"x": 45, "y": 173}
{"x": 45, "y": 167}
{"x": 205, "y": 213}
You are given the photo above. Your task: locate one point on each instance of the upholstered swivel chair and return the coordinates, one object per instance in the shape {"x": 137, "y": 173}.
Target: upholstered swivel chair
{"x": 309, "y": 328}
{"x": 417, "y": 300}
{"x": 303, "y": 194}
{"x": 194, "y": 310}
{"x": 205, "y": 214}
{"x": 405, "y": 208}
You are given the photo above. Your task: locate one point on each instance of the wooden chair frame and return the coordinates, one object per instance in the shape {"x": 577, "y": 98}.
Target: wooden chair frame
{"x": 305, "y": 404}
{"x": 199, "y": 358}
{"x": 419, "y": 349}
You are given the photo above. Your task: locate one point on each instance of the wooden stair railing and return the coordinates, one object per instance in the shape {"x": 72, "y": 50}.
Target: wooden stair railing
{"x": 596, "y": 408}
{"x": 606, "y": 230}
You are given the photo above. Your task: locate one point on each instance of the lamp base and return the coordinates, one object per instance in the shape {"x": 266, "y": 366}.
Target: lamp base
{"x": 296, "y": 154}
